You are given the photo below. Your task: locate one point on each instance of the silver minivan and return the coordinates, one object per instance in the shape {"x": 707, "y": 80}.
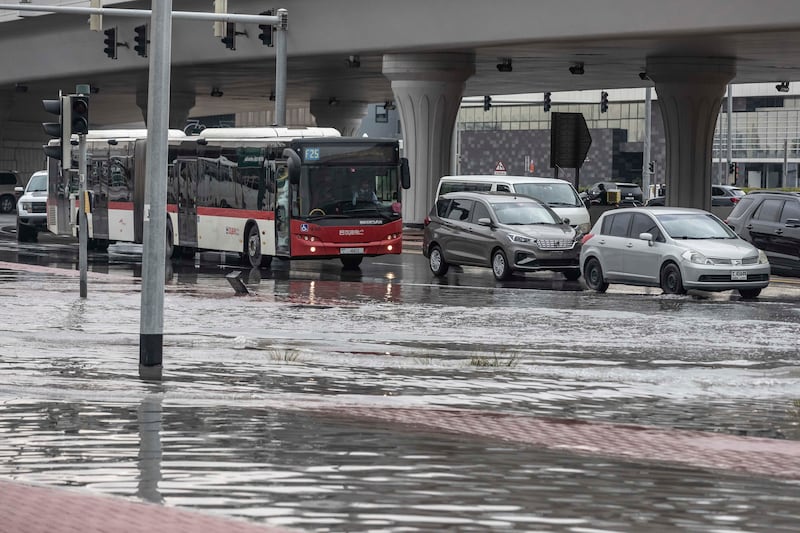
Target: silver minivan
{"x": 558, "y": 194}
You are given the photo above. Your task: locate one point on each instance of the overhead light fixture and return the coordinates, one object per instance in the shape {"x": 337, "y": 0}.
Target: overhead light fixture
{"x": 505, "y": 65}
{"x": 643, "y": 76}
{"x": 576, "y": 69}
{"x": 389, "y": 105}
{"x": 333, "y": 102}
{"x": 353, "y": 61}
{"x": 783, "y": 87}
{"x": 216, "y": 92}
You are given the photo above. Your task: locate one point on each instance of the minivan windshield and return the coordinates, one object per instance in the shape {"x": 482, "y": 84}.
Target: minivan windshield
{"x": 695, "y": 226}
{"x": 37, "y": 183}
{"x": 553, "y": 194}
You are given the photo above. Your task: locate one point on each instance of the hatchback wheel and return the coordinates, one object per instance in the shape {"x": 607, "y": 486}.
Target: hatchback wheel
{"x": 500, "y": 267}
{"x": 593, "y": 275}
{"x": 749, "y": 294}
{"x": 671, "y": 280}
{"x": 436, "y": 261}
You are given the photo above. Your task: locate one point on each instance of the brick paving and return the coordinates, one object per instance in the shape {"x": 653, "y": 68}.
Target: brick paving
{"x": 628, "y": 442}
{"x": 34, "y": 509}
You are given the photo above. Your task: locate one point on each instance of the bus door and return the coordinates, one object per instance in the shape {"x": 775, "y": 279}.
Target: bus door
{"x": 98, "y": 188}
{"x": 280, "y": 174}
{"x": 187, "y": 203}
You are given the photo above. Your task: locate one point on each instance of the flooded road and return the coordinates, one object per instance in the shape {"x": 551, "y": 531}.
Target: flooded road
{"x": 239, "y": 427}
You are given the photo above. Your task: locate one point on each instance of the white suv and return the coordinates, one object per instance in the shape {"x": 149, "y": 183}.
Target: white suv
{"x": 32, "y": 207}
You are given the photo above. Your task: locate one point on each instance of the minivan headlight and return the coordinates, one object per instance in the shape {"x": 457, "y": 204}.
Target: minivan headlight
{"x": 583, "y": 228}
{"x": 513, "y": 237}
{"x": 762, "y": 258}
{"x": 696, "y": 258}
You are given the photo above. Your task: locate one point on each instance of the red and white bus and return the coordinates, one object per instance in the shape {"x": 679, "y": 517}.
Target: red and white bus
{"x": 293, "y": 193}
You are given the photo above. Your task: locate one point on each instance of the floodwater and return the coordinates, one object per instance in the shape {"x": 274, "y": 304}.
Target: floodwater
{"x": 235, "y": 427}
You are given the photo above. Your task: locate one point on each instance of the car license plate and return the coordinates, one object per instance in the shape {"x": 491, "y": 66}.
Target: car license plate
{"x": 346, "y": 251}
{"x": 738, "y": 275}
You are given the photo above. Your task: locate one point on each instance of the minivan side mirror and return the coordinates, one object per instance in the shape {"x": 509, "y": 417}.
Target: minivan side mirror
{"x": 565, "y": 221}
{"x": 485, "y": 221}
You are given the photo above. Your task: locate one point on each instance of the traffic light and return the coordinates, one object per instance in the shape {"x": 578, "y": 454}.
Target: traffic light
{"x": 603, "y": 102}
{"x": 230, "y": 36}
{"x": 547, "y": 101}
{"x": 59, "y": 130}
{"x": 141, "y": 40}
{"x": 79, "y": 115}
{"x": 732, "y": 168}
{"x": 266, "y": 30}
{"x": 651, "y": 167}
{"x": 111, "y": 42}
{"x": 487, "y": 103}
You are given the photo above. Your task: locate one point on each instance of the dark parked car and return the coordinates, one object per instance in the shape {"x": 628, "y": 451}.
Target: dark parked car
{"x": 770, "y": 220}
{"x": 721, "y": 196}
{"x": 502, "y": 231}
{"x": 630, "y": 194}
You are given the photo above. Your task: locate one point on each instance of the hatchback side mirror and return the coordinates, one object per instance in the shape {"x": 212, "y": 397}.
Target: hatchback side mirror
{"x": 647, "y": 237}
{"x": 485, "y": 222}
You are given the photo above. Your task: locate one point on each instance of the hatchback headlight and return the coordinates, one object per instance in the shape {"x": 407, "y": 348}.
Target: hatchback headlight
{"x": 696, "y": 258}
{"x": 762, "y": 258}
{"x": 513, "y": 237}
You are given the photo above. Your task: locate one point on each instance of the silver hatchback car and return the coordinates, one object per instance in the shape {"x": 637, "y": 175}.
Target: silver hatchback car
{"x": 672, "y": 248}
{"x": 504, "y": 231}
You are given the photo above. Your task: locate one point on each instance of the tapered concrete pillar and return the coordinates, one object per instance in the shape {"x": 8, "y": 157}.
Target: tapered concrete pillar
{"x": 344, "y": 115}
{"x": 427, "y": 90}
{"x": 180, "y": 104}
{"x": 690, "y": 92}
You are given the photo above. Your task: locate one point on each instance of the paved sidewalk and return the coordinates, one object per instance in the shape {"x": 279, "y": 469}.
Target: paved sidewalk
{"x": 32, "y": 509}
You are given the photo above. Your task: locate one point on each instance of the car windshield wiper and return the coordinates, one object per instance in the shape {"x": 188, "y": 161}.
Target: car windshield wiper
{"x": 568, "y": 204}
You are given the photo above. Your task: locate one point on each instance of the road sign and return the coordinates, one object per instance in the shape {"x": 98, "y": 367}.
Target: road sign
{"x": 499, "y": 169}
{"x": 569, "y": 140}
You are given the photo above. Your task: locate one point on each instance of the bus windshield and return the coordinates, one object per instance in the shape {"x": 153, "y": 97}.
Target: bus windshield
{"x": 336, "y": 191}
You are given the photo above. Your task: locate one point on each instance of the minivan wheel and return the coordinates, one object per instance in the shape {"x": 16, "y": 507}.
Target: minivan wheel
{"x": 593, "y": 275}
{"x": 749, "y": 294}
{"x": 671, "y": 280}
{"x": 436, "y": 261}
{"x": 500, "y": 267}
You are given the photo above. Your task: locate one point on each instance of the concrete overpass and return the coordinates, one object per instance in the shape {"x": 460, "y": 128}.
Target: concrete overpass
{"x": 424, "y": 55}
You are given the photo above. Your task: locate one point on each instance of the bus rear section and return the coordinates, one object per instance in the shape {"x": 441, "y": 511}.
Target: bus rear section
{"x": 343, "y": 199}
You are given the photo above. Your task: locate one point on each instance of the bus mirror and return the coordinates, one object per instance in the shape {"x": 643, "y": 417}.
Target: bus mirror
{"x": 405, "y": 174}
{"x": 293, "y": 163}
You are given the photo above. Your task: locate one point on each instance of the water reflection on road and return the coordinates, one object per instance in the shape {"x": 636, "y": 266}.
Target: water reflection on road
{"x": 227, "y": 430}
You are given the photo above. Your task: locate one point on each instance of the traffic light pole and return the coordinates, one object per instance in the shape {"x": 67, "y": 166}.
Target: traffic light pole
{"x": 646, "y": 176}
{"x": 83, "y": 230}
{"x": 155, "y": 209}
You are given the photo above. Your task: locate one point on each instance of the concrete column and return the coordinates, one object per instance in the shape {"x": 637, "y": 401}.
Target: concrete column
{"x": 180, "y": 104}
{"x": 344, "y": 115}
{"x": 427, "y": 90}
{"x": 690, "y": 92}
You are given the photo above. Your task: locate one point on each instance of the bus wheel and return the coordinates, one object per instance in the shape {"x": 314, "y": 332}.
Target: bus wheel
{"x": 351, "y": 263}
{"x": 170, "y": 242}
{"x": 252, "y": 247}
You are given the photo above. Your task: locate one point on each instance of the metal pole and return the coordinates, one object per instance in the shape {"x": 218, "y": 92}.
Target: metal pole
{"x": 155, "y": 208}
{"x": 280, "y": 68}
{"x": 730, "y": 136}
{"x": 648, "y": 99}
{"x": 83, "y": 227}
{"x": 143, "y": 13}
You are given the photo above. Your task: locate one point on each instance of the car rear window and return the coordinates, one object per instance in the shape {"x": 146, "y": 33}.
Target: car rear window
{"x": 460, "y": 210}
{"x": 7, "y": 178}
{"x": 630, "y": 189}
{"x": 791, "y": 210}
{"x": 769, "y": 210}
{"x": 617, "y": 225}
